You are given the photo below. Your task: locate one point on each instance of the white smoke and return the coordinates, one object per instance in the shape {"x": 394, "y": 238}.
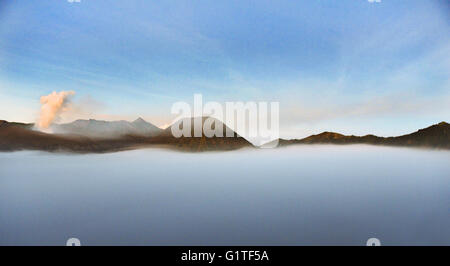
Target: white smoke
{"x": 52, "y": 106}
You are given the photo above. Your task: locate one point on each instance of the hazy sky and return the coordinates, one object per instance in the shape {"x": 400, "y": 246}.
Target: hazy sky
{"x": 350, "y": 66}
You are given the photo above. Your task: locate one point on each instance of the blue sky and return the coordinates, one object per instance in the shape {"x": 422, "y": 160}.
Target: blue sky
{"x": 349, "y": 66}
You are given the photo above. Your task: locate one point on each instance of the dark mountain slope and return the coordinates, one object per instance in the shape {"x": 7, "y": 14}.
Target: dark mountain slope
{"x": 15, "y": 136}
{"x": 20, "y": 136}
{"x": 435, "y": 136}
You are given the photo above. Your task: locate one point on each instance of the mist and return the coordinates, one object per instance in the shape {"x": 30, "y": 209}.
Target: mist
{"x": 315, "y": 194}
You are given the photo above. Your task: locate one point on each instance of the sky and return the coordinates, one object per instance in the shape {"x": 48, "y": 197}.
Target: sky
{"x": 350, "y": 66}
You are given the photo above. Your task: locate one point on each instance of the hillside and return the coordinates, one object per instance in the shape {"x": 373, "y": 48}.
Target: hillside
{"x": 17, "y": 136}
{"x": 107, "y": 129}
{"x": 435, "y": 136}
{"x": 122, "y": 135}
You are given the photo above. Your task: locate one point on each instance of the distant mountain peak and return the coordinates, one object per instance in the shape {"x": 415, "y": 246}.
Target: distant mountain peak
{"x": 140, "y": 120}
{"x": 101, "y": 128}
{"x": 326, "y": 136}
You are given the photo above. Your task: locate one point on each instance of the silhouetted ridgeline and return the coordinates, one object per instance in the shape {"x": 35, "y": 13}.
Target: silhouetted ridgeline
{"x": 86, "y": 136}
{"x": 106, "y": 137}
{"x": 435, "y": 136}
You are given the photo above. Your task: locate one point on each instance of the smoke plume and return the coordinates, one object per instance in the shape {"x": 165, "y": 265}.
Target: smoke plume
{"x": 52, "y": 106}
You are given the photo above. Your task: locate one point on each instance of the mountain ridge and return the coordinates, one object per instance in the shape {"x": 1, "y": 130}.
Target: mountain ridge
{"x": 107, "y": 129}
{"x": 21, "y": 136}
{"x": 434, "y": 136}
